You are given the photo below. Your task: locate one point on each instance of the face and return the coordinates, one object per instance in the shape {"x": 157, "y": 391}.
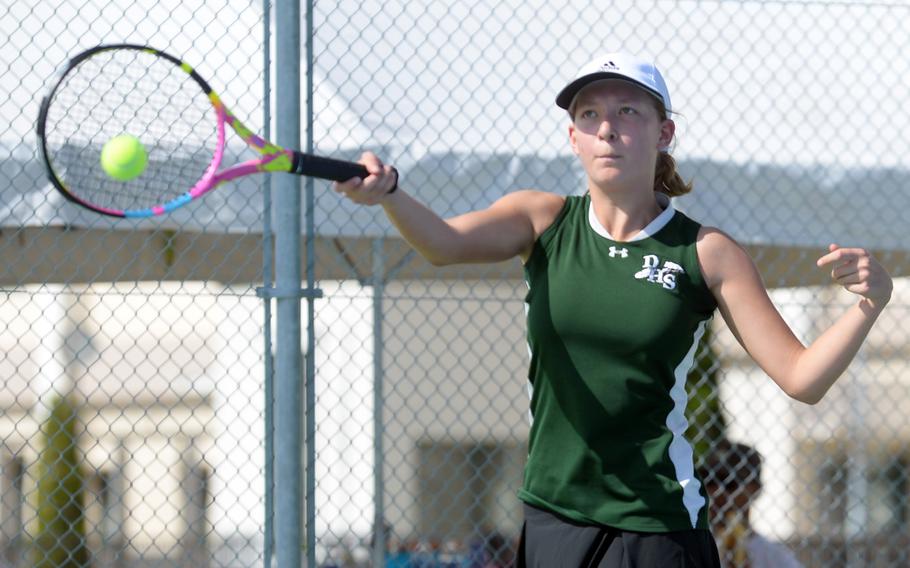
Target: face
{"x": 733, "y": 496}
{"x": 617, "y": 133}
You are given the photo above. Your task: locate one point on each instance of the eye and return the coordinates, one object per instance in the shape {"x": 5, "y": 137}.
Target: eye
{"x": 628, "y": 110}
{"x": 588, "y": 114}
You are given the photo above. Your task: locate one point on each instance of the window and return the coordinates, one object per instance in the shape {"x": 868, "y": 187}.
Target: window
{"x": 862, "y": 494}
{"x": 887, "y": 506}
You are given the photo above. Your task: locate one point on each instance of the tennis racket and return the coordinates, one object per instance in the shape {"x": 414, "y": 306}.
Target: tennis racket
{"x": 116, "y": 89}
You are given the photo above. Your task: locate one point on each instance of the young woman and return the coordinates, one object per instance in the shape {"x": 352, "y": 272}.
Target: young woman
{"x": 621, "y": 287}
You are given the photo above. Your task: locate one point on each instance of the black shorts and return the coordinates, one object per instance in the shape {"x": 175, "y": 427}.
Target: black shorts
{"x": 552, "y": 541}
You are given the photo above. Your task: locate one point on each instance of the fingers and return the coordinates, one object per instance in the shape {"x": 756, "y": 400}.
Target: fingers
{"x": 372, "y": 163}
{"x": 372, "y": 189}
{"x": 836, "y": 253}
{"x": 858, "y": 271}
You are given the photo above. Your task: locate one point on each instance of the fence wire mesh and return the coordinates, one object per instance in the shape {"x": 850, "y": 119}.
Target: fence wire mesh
{"x": 133, "y": 355}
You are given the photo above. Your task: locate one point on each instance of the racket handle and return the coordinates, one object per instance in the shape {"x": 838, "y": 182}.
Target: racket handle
{"x": 326, "y": 168}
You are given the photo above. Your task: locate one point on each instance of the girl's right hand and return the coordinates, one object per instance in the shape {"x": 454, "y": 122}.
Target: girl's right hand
{"x": 373, "y": 189}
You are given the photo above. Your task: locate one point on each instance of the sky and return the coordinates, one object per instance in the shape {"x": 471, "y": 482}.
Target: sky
{"x": 762, "y": 82}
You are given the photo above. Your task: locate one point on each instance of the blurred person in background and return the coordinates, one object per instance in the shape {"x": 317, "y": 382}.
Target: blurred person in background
{"x": 731, "y": 474}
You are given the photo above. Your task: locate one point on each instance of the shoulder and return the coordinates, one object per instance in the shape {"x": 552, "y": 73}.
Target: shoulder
{"x": 764, "y": 552}
{"x": 720, "y": 255}
{"x": 540, "y": 207}
{"x": 713, "y": 242}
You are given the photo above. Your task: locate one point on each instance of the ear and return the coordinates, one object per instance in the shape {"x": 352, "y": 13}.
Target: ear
{"x": 667, "y": 130}
{"x": 572, "y": 140}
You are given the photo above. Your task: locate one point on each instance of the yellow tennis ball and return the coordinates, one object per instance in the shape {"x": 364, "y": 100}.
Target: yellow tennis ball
{"x": 123, "y": 157}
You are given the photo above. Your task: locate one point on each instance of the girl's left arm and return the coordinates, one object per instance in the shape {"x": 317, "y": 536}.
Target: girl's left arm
{"x": 804, "y": 373}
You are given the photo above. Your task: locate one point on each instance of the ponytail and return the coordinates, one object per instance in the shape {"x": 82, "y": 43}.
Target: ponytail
{"x": 667, "y": 180}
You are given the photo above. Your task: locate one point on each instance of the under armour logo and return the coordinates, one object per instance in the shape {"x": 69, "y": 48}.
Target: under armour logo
{"x": 664, "y": 275}
{"x": 623, "y": 252}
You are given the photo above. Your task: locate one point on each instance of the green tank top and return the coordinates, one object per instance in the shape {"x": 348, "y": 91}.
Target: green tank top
{"x": 613, "y": 328}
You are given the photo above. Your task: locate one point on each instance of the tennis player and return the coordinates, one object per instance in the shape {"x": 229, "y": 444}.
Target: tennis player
{"x": 621, "y": 287}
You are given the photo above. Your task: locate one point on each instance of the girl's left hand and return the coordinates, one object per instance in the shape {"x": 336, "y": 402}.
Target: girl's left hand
{"x": 858, "y": 272}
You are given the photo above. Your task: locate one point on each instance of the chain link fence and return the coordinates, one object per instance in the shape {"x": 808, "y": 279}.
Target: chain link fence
{"x": 134, "y": 356}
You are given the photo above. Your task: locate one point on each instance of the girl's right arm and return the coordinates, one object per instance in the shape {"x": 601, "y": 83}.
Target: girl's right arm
{"x": 506, "y": 229}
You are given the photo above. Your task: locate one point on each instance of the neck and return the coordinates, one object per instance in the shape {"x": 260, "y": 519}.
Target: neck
{"x": 733, "y": 527}
{"x": 625, "y": 213}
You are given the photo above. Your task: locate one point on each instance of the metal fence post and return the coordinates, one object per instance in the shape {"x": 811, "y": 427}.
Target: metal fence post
{"x": 268, "y": 264}
{"x": 379, "y": 529}
{"x": 310, "y": 391}
{"x": 288, "y": 447}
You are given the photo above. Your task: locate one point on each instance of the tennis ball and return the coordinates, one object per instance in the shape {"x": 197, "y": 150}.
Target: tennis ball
{"x": 123, "y": 157}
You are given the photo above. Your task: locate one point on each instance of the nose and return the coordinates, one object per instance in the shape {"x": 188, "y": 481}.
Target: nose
{"x": 605, "y": 131}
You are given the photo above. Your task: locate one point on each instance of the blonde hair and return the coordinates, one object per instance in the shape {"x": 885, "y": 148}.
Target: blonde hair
{"x": 667, "y": 179}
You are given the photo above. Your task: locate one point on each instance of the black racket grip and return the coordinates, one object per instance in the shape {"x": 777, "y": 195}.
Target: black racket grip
{"x": 326, "y": 168}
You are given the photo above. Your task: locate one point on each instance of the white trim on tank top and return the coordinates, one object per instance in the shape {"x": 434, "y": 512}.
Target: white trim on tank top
{"x": 657, "y": 224}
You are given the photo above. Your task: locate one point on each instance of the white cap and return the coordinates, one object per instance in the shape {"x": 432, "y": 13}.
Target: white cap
{"x": 617, "y": 66}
